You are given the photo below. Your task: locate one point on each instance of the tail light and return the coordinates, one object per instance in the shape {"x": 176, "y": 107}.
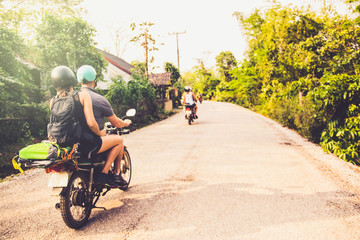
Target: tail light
{"x": 55, "y": 168}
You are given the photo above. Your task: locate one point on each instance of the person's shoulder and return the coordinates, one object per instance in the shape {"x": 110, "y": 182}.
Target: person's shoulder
{"x": 83, "y": 95}
{"x": 101, "y": 97}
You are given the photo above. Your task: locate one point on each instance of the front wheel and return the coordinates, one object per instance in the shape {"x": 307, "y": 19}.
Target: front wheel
{"x": 75, "y": 204}
{"x": 125, "y": 169}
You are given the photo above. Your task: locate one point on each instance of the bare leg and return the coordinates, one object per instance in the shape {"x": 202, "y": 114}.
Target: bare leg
{"x": 110, "y": 158}
{"x": 118, "y": 160}
{"x": 115, "y": 143}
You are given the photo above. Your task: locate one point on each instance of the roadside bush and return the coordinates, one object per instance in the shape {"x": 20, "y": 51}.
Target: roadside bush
{"x": 26, "y": 122}
{"x": 309, "y": 121}
{"x": 137, "y": 94}
{"x": 30, "y": 121}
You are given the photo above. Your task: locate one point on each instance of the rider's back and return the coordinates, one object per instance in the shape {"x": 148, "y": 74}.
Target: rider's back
{"x": 189, "y": 98}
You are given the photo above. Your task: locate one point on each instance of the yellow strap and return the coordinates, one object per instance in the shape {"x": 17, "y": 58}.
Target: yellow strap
{"x": 58, "y": 147}
{"x": 17, "y": 165}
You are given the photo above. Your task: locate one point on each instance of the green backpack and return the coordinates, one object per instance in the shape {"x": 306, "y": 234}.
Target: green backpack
{"x": 40, "y": 151}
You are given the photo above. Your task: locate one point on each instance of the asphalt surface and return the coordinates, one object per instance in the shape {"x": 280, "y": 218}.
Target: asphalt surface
{"x": 232, "y": 175}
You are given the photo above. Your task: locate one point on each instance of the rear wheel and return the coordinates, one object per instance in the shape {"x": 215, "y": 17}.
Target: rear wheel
{"x": 75, "y": 204}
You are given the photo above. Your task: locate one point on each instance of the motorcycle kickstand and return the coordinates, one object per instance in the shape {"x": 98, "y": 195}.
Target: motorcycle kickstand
{"x": 97, "y": 196}
{"x": 107, "y": 189}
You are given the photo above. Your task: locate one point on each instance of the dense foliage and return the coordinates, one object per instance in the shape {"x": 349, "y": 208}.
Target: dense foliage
{"x": 137, "y": 93}
{"x": 175, "y": 74}
{"x": 301, "y": 69}
{"x": 24, "y": 16}
{"x": 69, "y": 42}
{"x": 21, "y": 111}
{"x": 53, "y": 36}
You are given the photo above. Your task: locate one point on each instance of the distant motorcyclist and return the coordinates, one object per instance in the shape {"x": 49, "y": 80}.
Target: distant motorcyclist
{"x": 200, "y": 97}
{"x": 189, "y": 99}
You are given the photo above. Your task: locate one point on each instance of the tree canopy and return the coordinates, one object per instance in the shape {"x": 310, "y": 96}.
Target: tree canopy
{"x": 69, "y": 42}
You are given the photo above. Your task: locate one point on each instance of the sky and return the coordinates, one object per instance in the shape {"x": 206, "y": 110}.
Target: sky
{"x": 209, "y": 27}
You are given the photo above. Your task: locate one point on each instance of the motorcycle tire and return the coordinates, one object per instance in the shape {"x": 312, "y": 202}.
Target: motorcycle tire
{"x": 190, "y": 120}
{"x": 75, "y": 203}
{"x": 125, "y": 169}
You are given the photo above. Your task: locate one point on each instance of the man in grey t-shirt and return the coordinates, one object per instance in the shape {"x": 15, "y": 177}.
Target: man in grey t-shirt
{"x": 101, "y": 105}
{"x": 102, "y": 108}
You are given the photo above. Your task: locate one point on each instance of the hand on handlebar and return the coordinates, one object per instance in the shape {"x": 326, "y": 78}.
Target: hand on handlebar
{"x": 127, "y": 122}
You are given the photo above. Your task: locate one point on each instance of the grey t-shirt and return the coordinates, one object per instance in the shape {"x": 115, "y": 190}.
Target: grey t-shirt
{"x": 101, "y": 106}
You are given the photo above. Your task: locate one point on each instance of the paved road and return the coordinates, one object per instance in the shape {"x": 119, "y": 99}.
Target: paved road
{"x": 232, "y": 175}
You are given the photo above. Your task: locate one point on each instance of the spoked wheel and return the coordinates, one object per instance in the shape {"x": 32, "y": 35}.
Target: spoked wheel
{"x": 75, "y": 204}
{"x": 125, "y": 169}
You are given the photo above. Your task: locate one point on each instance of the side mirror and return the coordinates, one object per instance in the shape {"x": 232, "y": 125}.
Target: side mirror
{"x": 131, "y": 112}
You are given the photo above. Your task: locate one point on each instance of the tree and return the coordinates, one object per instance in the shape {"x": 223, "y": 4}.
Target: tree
{"x": 23, "y": 16}
{"x": 356, "y": 3}
{"x": 146, "y": 41}
{"x": 203, "y": 80}
{"x": 225, "y": 62}
{"x": 14, "y": 76}
{"x": 138, "y": 72}
{"x": 21, "y": 115}
{"x": 120, "y": 39}
{"x": 302, "y": 69}
{"x": 68, "y": 42}
{"x": 175, "y": 74}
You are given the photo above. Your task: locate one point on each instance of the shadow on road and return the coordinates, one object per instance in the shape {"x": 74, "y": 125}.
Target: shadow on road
{"x": 240, "y": 208}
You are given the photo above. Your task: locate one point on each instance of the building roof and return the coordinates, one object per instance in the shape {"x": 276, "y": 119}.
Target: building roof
{"x": 160, "y": 79}
{"x": 118, "y": 62}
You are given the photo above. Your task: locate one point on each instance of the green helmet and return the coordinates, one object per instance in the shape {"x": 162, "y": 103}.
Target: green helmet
{"x": 86, "y": 73}
{"x": 62, "y": 76}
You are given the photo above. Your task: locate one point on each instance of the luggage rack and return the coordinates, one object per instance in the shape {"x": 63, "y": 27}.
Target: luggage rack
{"x": 74, "y": 159}
{"x": 30, "y": 163}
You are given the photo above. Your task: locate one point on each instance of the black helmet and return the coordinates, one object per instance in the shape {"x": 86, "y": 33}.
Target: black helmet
{"x": 62, "y": 76}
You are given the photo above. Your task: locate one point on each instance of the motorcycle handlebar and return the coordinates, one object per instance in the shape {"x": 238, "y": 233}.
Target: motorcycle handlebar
{"x": 113, "y": 130}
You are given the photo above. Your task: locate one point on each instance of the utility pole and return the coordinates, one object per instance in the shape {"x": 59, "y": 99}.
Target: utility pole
{"x": 177, "y": 45}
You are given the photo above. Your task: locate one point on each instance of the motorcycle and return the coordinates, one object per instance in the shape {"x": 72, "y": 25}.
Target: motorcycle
{"x": 189, "y": 113}
{"x": 73, "y": 179}
{"x": 200, "y": 99}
